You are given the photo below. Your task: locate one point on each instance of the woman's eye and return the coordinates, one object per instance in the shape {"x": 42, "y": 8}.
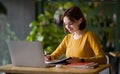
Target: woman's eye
{"x": 71, "y": 23}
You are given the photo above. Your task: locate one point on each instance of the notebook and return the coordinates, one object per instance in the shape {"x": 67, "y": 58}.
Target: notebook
{"x": 84, "y": 65}
{"x": 27, "y": 54}
{"x": 61, "y": 61}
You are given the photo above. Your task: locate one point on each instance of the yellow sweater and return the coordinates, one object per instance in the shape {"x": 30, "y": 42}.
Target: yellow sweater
{"x": 86, "y": 47}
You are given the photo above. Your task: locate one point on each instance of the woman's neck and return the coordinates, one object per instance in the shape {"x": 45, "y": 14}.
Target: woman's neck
{"x": 78, "y": 34}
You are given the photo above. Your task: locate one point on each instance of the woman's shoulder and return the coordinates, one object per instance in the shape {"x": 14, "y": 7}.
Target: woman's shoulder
{"x": 69, "y": 35}
{"x": 88, "y": 32}
{"x": 91, "y": 34}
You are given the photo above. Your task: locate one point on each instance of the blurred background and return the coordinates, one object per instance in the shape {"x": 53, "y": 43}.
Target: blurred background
{"x": 39, "y": 20}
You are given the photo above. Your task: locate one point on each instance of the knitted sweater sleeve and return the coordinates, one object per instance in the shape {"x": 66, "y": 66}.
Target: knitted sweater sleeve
{"x": 60, "y": 49}
{"x": 95, "y": 45}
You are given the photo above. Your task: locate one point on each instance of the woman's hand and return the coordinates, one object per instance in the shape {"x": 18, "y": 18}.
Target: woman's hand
{"x": 47, "y": 57}
{"x": 73, "y": 60}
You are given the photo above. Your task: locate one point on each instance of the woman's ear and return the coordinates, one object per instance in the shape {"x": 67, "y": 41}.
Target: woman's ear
{"x": 81, "y": 19}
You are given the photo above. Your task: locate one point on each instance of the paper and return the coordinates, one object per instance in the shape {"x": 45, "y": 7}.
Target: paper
{"x": 62, "y": 61}
{"x": 83, "y": 65}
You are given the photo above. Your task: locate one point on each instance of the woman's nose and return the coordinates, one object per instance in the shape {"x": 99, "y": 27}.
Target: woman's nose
{"x": 67, "y": 26}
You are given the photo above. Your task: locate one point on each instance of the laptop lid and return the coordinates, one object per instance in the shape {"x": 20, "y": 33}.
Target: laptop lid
{"x": 26, "y": 53}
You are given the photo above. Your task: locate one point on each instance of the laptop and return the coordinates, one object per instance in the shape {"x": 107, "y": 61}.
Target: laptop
{"x": 27, "y": 54}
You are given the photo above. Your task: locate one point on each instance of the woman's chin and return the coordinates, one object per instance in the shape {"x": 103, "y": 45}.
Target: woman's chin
{"x": 71, "y": 31}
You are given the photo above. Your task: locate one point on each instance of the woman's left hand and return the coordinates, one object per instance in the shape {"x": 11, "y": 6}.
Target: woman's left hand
{"x": 73, "y": 60}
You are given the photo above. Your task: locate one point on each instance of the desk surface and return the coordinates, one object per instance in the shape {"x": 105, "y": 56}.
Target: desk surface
{"x": 52, "y": 70}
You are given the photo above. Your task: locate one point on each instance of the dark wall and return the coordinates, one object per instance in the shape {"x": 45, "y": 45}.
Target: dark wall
{"x": 19, "y": 15}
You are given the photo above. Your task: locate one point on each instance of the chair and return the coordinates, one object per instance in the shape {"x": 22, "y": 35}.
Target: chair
{"x": 106, "y": 71}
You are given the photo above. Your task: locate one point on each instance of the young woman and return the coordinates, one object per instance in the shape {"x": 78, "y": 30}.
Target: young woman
{"x": 80, "y": 44}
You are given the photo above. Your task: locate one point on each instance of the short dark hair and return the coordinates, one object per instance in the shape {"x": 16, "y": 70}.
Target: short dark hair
{"x": 75, "y": 13}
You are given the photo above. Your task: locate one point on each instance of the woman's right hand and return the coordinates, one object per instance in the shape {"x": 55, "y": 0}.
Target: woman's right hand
{"x": 47, "y": 57}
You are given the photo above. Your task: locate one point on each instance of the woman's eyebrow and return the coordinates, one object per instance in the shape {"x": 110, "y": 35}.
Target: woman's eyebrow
{"x": 68, "y": 23}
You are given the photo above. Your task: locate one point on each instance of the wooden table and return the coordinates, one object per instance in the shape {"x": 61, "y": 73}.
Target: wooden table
{"x": 10, "y": 69}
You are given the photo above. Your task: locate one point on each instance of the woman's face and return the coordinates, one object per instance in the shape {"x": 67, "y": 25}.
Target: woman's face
{"x": 70, "y": 25}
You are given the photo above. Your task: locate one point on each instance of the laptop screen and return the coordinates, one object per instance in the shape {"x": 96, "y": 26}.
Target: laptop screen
{"x": 25, "y": 53}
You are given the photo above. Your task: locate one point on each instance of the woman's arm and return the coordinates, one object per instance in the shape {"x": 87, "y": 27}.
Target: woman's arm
{"x": 98, "y": 51}
{"x": 60, "y": 49}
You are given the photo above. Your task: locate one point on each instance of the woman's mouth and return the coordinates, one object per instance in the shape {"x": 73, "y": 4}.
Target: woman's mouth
{"x": 70, "y": 29}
